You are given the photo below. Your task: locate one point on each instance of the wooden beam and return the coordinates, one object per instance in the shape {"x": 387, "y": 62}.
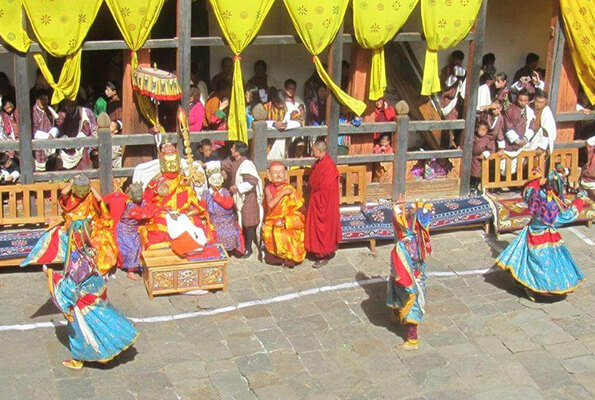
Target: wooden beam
{"x": 400, "y": 161}
{"x": 259, "y": 145}
{"x": 334, "y": 61}
{"x": 106, "y": 175}
{"x": 473, "y": 68}
{"x": 555, "y": 59}
{"x": 183, "y": 27}
{"x": 22, "y": 86}
{"x": 574, "y": 116}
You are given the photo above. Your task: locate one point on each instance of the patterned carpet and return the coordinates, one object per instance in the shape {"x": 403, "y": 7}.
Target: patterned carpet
{"x": 376, "y": 222}
{"x": 15, "y": 244}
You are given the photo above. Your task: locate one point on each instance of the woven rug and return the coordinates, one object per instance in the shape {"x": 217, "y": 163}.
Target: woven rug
{"x": 15, "y": 244}
{"x": 376, "y": 222}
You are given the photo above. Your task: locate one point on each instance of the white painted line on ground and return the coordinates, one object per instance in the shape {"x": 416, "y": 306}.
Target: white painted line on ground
{"x": 270, "y": 300}
{"x": 581, "y": 236}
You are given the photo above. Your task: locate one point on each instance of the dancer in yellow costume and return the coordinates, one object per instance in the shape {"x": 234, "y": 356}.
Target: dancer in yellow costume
{"x": 284, "y": 223}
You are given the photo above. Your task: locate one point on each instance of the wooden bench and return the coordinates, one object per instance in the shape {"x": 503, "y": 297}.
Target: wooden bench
{"x": 29, "y": 207}
{"x": 352, "y": 188}
{"x": 498, "y": 173}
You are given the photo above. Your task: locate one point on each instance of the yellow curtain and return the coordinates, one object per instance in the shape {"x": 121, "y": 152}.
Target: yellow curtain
{"x": 375, "y": 25}
{"x": 317, "y": 24}
{"x": 239, "y": 22}
{"x": 135, "y": 19}
{"x": 60, "y": 27}
{"x": 11, "y": 25}
{"x": 446, "y": 23}
{"x": 579, "y": 23}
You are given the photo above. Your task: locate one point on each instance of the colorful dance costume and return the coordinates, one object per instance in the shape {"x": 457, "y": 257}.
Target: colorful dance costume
{"x": 538, "y": 258}
{"x": 85, "y": 243}
{"x": 406, "y": 287}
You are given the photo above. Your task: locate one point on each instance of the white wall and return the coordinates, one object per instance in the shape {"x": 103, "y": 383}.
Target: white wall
{"x": 286, "y": 61}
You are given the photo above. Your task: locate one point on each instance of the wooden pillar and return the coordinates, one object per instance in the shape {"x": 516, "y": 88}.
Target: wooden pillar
{"x": 259, "y": 145}
{"x": 183, "y": 27}
{"x": 22, "y": 86}
{"x": 106, "y": 173}
{"x": 358, "y": 88}
{"x": 473, "y": 68}
{"x": 400, "y": 160}
{"x": 561, "y": 79}
{"x": 132, "y": 120}
{"x": 335, "y": 61}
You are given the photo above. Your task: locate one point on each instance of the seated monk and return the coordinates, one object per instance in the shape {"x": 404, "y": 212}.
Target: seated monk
{"x": 284, "y": 222}
{"x": 173, "y": 205}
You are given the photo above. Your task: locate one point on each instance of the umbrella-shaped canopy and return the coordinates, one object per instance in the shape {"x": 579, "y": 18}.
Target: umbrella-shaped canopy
{"x": 156, "y": 83}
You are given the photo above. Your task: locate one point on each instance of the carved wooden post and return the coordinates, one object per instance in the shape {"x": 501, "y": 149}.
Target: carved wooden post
{"x": 106, "y": 173}
{"x": 259, "y": 138}
{"x": 400, "y": 161}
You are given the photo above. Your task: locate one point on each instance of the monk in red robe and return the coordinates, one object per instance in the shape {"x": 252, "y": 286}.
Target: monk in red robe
{"x": 323, "y": 222}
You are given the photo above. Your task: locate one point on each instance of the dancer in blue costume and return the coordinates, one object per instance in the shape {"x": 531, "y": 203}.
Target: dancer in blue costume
{"x": 96, "y": 330}
{"x": 406, "y": 288}
{"x": 537, "y": 258}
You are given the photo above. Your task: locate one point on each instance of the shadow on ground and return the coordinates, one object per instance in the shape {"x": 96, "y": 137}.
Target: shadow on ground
{"x": 127, "y": 356}
{"x": 375, "y": 306}
{"x": 503, "y": 280}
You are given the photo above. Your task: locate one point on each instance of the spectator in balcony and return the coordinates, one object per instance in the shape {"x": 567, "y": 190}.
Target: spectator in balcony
{"x": 282, "y": 115}
{"x": 588, "y": 174}
{"x": 452, "y": 77}
{"x": 316, "y": 112}
{"x": 493, "y": 117}
{"x": 6, "y": 89}
{"x": 518, "y": 124}
{"x": 75, "y": 121}
{"x": 40, "y": 84}
{"x": 9, "y": 120}
{"x": 43, "y": 120}
{"x": 217, "y": 109}
{"x": 262, "y": 81}
{"x": 488, "y": 64}
{"x": 502, "y": 91}
{"x": 114, "y": 104}
{"x": 9, "y": 169}
{"x": 383, "y": 112}
{"x": 252, "y": 99}
{"x": 196, "y": 117}
{"x": 383, "y": 171}
{"x": 531, "y": 63}
{"x": 484, "y": 144}
{"x": 531, "y": 83}
{"x": 311, "y": 85}
{"x": 197, "y": 77}
{"x": 345, "y": 71}
{"x": 225, "y": 74}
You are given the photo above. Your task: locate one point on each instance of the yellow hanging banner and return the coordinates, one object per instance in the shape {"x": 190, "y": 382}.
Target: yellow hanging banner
{"x": 11, "y": 25}
{"x": 135, "y": 19}
{"x": 60, "y": 27}
{"x": 317, "y": 24}
{"x": 446, "y": 23}
{"x": 579, "y": 26}
{"x": 239, "y": 22}
{"x": 375, "y": 24}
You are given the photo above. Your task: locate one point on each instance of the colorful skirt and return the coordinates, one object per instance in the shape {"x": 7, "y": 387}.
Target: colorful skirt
{"x": 408, "y": 299}
{"x": 99, "y": 332}
{"x": 539, "y": 260}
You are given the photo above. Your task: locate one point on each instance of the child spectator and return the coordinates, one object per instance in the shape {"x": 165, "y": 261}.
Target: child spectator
{"x": 382, "y": 171}
{"x": 484, "y": 144}
{"x": 206, "y": 153}
{"x": 9, "y": 120}
{"x": 9, "y": 169}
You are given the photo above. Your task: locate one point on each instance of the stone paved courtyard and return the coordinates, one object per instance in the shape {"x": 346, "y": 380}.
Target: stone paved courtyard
{"x": 481, "y": 339}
